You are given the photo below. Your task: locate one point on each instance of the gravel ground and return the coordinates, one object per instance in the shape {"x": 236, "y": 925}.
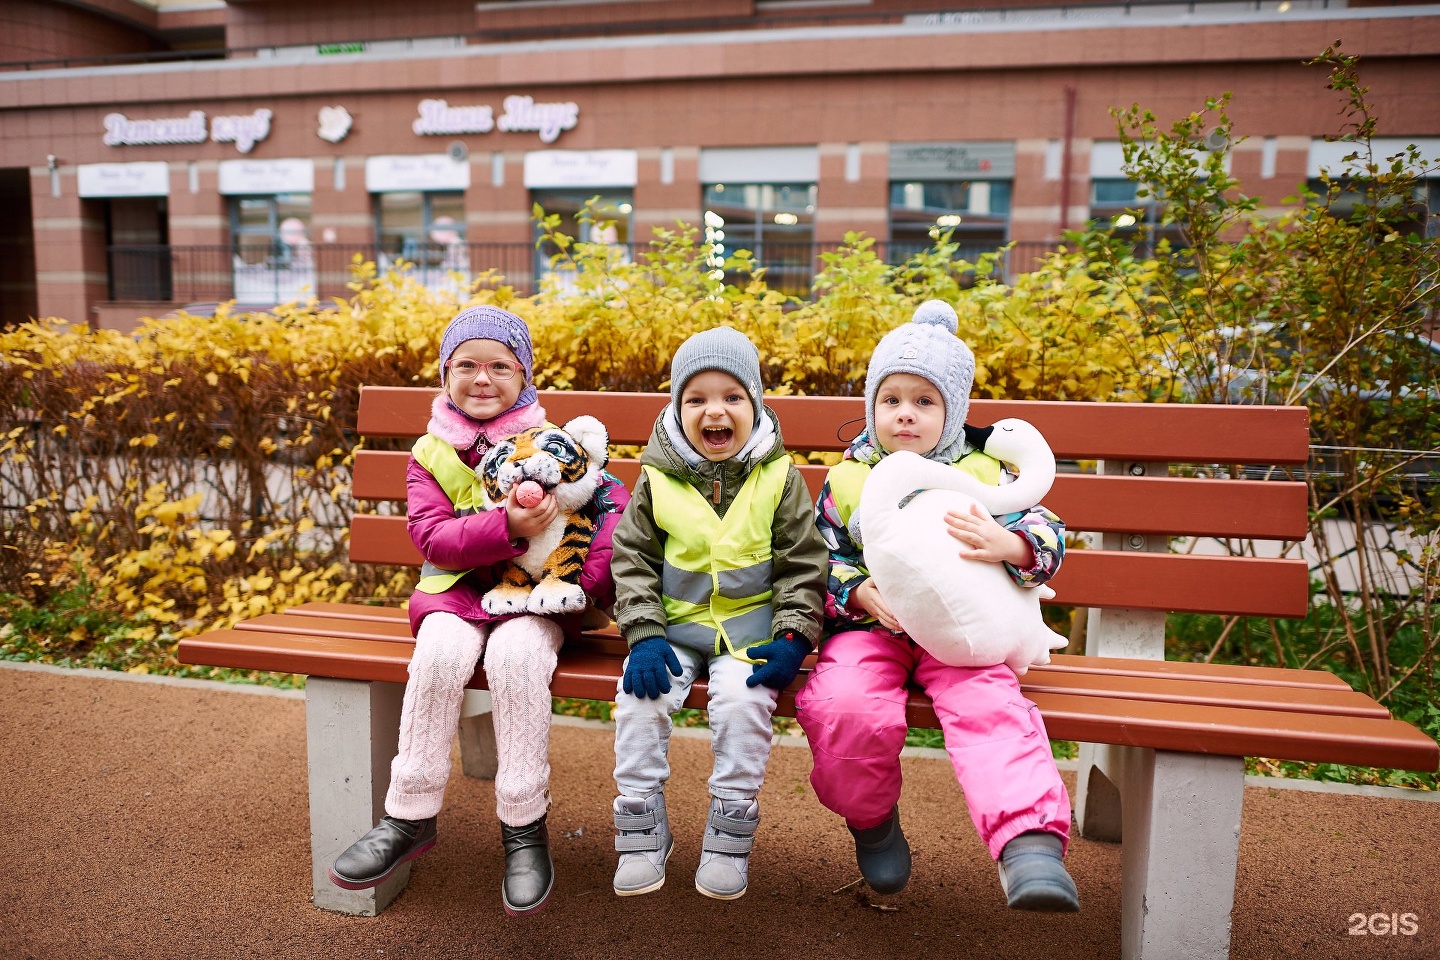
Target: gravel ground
{"x": 158, "y": 820}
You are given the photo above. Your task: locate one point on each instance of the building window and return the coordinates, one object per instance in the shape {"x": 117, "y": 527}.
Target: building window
{"x": 1116, "y": 204}
{"x": 612, "y": 216}
{"x": 1418, "y": 212}
{"x": 270, "y": 228}
{"x": 423, "y": 228}
{"x": 975, "y": 212}
{"x": 775, "y": 221}
{"x": 274, "y": 261}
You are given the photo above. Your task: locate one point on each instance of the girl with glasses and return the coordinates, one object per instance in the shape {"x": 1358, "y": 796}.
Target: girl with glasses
{"x": 486, "y": 363}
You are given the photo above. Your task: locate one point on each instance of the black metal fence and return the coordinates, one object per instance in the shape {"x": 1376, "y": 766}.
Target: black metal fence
{"x": 197, "y": 274}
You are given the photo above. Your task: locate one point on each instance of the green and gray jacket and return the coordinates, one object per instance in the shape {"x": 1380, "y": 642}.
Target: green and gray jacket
{"x": 798, "y": 555}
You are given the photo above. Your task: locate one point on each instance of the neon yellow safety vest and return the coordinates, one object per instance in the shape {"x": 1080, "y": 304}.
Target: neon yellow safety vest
{"x": 847, "y": 478}
{"x": 462, "y": 485}
{"x": 716, "y": 582}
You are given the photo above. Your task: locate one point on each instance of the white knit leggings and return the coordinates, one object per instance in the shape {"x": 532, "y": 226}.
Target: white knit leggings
{"x": 519, "y": 662}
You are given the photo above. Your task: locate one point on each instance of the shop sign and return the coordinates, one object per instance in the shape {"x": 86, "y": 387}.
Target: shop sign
{"x": 580, "y": 168}
{"x": 243, "y": 130}
{"x": 123, "y": 179}
{"x": 265, "y": 177}
{"x": 521, "y": 115}
{"x": 427, "y": 171}
{"x": 976, "y": 159}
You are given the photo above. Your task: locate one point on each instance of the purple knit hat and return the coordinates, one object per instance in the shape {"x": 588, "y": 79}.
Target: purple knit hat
{"x": 492, "y": 323}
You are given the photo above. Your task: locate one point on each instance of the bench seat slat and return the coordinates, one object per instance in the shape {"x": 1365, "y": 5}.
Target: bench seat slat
{"x": 1205, "y": 693}
{"x": 1188, "y": 727}
{"x": 1177, "y": 506}
{"x": 1239, "y": 732}
{"x": 1060, "y": 662}
{"x": 1201, "y": 684}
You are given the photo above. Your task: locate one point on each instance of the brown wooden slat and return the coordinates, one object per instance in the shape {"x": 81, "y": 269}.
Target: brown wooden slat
{"x": 348, "y": 611}
{"x": 1201, "y": 684}
{"x": 1188, "y": 728}
{"x": 377, "y": 539}
{"x": 1182, "y": 506}
{"x": 1206, "y": 693}
{"x": 1171, "y": 432}
{"x": 1240, "y": 733}
{"x": 1165, "y": 581}
{"x": 1059, "y": 662}
{"x": 1175, "y": 506}
{"x": 1169, "y": 669}
{"x": 379, "y": 474}
{"x": 308, "y": 625}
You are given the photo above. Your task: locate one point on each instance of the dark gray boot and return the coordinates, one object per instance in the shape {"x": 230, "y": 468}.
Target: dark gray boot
{"x": 529, "y": 872}
{"x": 1033, "y": 875}
{"x": 883, "y": 855}
{"x": 370, "y": 860}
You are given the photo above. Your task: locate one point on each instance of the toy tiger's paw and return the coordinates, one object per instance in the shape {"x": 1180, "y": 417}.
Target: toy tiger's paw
{"x": 505, "y": 598}
{"x": 553, "y": 596}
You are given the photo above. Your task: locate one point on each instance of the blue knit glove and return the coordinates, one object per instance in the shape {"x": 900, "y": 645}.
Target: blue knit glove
{"x": 645, "y": 670}
{"x": 782, "y": 658}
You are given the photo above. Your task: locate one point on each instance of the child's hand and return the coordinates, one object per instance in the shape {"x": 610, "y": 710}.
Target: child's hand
{"x": 867, "y": 598}
{"x": 645, "y": 669}
{"x": 528, "y": 521}
{"x": 983, "y": 538}
{"x": 780, "y": 660}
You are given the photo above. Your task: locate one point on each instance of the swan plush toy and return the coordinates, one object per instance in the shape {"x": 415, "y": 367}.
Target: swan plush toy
{"x": 966, "y": 613}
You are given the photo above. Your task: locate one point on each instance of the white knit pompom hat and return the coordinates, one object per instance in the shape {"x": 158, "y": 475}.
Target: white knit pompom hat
{"x": 928, "y": 347}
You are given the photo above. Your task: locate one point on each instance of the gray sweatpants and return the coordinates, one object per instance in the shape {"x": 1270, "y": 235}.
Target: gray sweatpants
{"x": 739, "y": 724}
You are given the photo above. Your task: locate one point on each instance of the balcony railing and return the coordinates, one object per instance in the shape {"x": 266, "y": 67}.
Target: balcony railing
{"x": 196, "y": 274}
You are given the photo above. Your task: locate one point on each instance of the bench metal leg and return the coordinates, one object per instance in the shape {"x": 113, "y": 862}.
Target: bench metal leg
{"x": 478, "y": 757}
{"x": 1182, "y": 843}
{"x": 352, "y": 732}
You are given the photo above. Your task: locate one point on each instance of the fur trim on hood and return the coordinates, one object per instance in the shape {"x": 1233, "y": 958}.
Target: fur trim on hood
{"x": 462, "y": 432}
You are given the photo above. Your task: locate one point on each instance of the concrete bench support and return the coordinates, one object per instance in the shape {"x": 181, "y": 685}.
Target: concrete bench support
{"x": 1116, "y": 632}
{"x": 1181, "y": 816}
{"x": 478, "y": 757}
{"x": 352, "y": 729}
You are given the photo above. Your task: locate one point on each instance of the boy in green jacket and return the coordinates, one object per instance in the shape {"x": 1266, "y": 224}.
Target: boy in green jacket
{"x": 719, "y": 568}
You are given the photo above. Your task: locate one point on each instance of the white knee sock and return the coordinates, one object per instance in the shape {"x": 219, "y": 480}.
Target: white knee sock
{"x": 446, "y": 651}
{"x": 519, "y": 662}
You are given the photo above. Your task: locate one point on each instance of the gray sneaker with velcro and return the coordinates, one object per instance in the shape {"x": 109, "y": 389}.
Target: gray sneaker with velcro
{"x": 725, "y": 854}
{"x": 643, "y": 840}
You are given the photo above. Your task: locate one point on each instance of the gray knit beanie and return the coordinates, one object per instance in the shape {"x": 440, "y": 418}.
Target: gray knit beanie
{"x": 720, "y": 348}
{"x": 927, "y": 347}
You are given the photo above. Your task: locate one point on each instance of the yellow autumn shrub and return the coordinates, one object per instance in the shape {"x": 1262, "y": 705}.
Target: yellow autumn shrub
{"x": 197, "y": 471}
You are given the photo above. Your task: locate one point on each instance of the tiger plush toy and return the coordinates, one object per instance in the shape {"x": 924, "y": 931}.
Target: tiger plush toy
{"x": 565, "y": 461}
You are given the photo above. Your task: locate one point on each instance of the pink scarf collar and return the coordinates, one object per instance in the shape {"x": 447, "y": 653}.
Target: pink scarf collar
{"x": 462, "y": 433}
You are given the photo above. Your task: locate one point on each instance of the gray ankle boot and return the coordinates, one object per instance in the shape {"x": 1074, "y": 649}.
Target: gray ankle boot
{"x": 1033, "y": 874}
{"x": 725, "y": 858}
{"x": 644, "y": 842}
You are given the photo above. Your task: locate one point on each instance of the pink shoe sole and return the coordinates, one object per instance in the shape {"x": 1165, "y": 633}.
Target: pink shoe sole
{"x": 343, "y": 883}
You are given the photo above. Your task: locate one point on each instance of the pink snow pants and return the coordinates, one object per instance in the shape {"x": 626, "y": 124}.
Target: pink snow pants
{"x": 853, "y": 711}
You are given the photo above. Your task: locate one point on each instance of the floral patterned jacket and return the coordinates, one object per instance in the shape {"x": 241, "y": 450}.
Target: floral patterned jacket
{"x": 1043, "y": 529}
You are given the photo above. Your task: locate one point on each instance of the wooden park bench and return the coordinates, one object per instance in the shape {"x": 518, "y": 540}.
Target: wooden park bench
{"x": 1163, "y": 743}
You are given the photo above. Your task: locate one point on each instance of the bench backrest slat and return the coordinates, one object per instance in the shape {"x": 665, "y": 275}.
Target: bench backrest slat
{"x": 1177, "y": 506}
{"x": 1169, "y": 432}
{"x": 1093, "y": 578}
{"x": 1117, "y": 505}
